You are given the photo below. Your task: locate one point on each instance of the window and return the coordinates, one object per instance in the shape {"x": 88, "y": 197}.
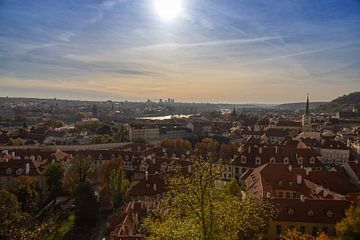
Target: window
{"x": 324, "y": 229}
{"x": 300, "y": 160}
{"x": 286, "y": 160}
{"x": 302, "y": 229}
{"x": 243, "y": 159}
{"x": 287, "y": 194}
{"x": 314, "y": 231}
{"x": 280, "y": 195}
{"x": 278, "y": 229}
{"x": 312, "y": 160}
{"x": 310, "y": 213}
{"x": 272, "y": 160}
{"x": 236, "y": 170}
{"x": 258, "y": 161}
{"x": 291, "y": 212}
{"x": 294, "y": 195}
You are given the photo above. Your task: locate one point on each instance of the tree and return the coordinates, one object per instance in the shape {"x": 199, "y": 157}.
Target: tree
{"x": 195, "y": 209}
{"x": 80, "y": 170}
{"x": 54, "y": 174}
{"x": 293, "y": 234}
{"x": 207, "y": 145}
{"x": 349, "y": 227}
{"x": 104, "y": 172}
{"x": 118, "y": 187}
{"x": 85, "y": 205}
{"x": 54, "y": 123}
{"x": 15, "y": 142}
{"x": 140, "y": 140}
{"x": 104, "y": 129}
{"x": 233, "y": 188}
{"x": 28, "y": 197}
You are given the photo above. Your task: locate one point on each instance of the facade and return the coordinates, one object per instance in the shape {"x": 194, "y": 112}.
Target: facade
{"x": 150, "y": 133}
{"x": 334, "y": 152}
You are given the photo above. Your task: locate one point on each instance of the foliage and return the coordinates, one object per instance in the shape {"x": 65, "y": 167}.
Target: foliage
{"x": 349, "y": 227}
{"x": 16, "y": 224}
{"x": 104, "y": 172}
{"x": 343, "y": 103}
{"x": 27, "y": 197}
{"x": 206, "y": 146}
{"x": 195, "y": 209}
{"x": 15, "y": 142}
{"x": 85, "y": 205}
{"x": 80, "y": 170}
{"x": 121, "y": 135}
{"x": 293, "y": 234}
{"x": 88, "y": 126}
{"x": 54, "y": 174}
{"x": 233, "y": 188}
{"x": 104, "y": 130}
{"x": 177, "y": 145}
{"x": 54, "y": 123}
{"x": 211, "y": 115}
{"x": 98, "y": 139}
{"x": 118, "y": 187}
{"x": 140, "y": 140}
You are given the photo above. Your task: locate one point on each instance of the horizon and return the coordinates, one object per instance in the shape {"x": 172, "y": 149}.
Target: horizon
{"x": 235, "y": 52}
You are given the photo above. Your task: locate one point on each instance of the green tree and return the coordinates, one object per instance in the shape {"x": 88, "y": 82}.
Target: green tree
{"x": 195, "y": 209}
{"x": 54, "y": 174}
{"x": 104, "y": 129}
{"x": 80, "y": 170}
{"x": 349, "y": 227}
{"x": 15, "y": 142}
{"x": 86, "y": 208}
{"x": 54, "y": 123}
{"x": 140, "y": 140}
{"x": 118, "y": 187}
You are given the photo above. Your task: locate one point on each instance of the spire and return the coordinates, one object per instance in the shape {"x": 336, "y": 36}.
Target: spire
{"x": 307, "y": 110}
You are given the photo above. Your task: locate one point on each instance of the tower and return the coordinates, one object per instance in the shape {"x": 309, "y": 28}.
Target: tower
{"x": 94, "y": 111}
{"x": 306, "y": 118}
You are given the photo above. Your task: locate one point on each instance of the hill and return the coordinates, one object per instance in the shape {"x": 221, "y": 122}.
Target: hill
{"x": 298, "y": 106}
{"x": 343, "y": 103}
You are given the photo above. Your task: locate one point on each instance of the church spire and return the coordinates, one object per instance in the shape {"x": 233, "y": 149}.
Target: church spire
{"x": 307, "y": 110}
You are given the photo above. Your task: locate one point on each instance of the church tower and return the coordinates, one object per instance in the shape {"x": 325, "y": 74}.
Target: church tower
{"x": 306, "y": 118}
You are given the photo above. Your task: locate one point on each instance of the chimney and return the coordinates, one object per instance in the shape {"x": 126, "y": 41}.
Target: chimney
{"x": 326, "y": 192}
{"x": 260, "y": 150}
{"x": 146, "y": 175}
{"x": 302, "y": 198}
{"x": 27, "y": 168}
{"x": 189, "y": 169}
{"x": 307, "y": 170}
{"x": 318, "y": 189}
{"x": 299, "y": 179}
{"x": 276, "y": 149}
{"x": 154, "y": 187}
{"x": 13, "y": 154}
{"x": 249, "y": 149}
{"x": 290, "y": 168}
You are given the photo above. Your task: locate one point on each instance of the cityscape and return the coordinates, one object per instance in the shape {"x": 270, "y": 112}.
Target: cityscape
{"x": 178, "y": 119}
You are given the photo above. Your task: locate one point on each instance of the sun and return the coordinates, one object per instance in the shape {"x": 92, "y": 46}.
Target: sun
{"x": 168, "y": 9}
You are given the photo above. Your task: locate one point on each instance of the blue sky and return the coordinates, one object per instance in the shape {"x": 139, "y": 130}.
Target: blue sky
{"x": 260, "y": 51}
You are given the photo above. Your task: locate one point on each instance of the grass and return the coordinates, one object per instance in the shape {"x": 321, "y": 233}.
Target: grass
{"x": 64, "y": 227}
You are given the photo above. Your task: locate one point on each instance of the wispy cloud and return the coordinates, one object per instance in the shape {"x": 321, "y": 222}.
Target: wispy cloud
{"x": 206, "y": 44}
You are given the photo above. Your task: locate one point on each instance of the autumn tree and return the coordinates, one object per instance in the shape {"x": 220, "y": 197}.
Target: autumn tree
{"x": 80, "y": 170}
{"x": 293, "y": 234}
{"x": 54, "y": 174}
{"x": 349, "y": 227}
{"x": 104, "y": 172}
{"x": 28, "y": 197}
{"x": 195, "y": 209}
{"x": 233, "y": 188}
{"x": 207, "y": 145}
{"x": 226, "y": 151}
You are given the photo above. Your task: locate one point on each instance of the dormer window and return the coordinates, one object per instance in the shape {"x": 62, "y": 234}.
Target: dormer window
{"x": 9, "y": 171}
{"x": 329, "y": 213}
{"x": 280, "y": 183}
{"x": 38, "y": 158}
{"x": 286, "y": 160}
{"x": 127, "y": 157}
{"x": 310, "y": 213}
{"x": 290, "y": 184}
{"x": 243, "y": 159}
{"x": 258, "y": 161}
{"x": 100, "y": 156}
{"x": 312, "y": 160}
{"x": 19, "y": 171}
{"x": 291, "y": 212}
{"x": 272, "y": 160}
{"x": 300, "y": 160}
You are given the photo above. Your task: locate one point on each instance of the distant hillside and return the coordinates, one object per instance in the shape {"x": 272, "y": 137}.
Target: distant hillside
{"x": 343, "y": 103}
{"x": 299, "y": 106}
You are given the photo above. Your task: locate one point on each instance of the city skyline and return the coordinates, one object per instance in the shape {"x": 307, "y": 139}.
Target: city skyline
{"x": 210, "y": 51}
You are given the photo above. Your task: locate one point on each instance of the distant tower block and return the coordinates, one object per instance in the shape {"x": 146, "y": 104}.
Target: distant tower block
{"x": 94, "y": 111}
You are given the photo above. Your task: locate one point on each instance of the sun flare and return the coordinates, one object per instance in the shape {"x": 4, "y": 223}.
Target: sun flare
{"x": 168, "y": 9}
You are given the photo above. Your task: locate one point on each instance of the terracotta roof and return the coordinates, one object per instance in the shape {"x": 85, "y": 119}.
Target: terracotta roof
{"x": 311, "y": 211}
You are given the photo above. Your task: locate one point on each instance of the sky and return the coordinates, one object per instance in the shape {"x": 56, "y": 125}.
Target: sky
{"x": 234, "y": 51}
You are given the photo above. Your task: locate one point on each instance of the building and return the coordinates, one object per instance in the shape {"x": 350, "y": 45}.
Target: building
{"x": 334, "y": 152}
{"x": 150, "y": 133}
{"x": 306, "y": 118}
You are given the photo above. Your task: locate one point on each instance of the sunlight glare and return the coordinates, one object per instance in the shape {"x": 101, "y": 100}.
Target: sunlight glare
{"x": 168, "y": 9}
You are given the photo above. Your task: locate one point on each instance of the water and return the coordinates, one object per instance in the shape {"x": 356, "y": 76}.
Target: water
{"x": 166, "y": 117}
